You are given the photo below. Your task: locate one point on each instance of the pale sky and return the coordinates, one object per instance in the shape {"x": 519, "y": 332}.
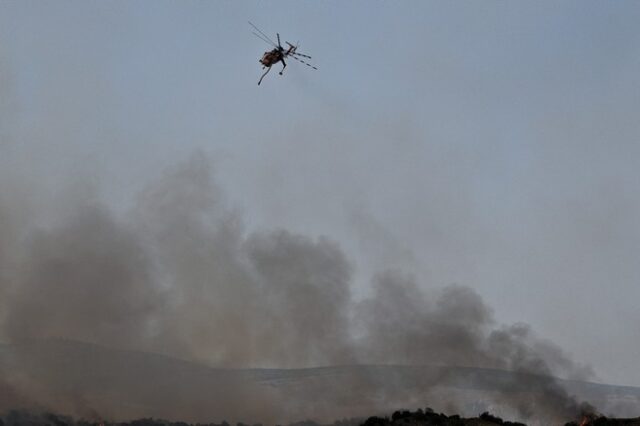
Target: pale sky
{"x": 490, "y": 144}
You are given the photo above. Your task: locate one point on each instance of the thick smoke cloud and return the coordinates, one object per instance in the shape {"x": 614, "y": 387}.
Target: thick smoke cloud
{"x": 180, "y": 275}
{"x": 454, "y": 327}
{"x": 304, "y": 284}
{"x": 235, "y": 299}
{"x": 405, "y": 326}
{"x": 87, "y": 280}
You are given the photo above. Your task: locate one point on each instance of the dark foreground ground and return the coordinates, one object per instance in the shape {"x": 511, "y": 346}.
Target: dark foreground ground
{"x": 429, "y": 418}
{"x": 399, "y": 418}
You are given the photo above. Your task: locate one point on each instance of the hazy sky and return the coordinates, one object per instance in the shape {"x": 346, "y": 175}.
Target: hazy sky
{"x": 490, "y": 144}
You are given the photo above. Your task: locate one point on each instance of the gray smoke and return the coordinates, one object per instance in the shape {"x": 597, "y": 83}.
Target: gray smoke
{"x": 89, "y": 280}
{"x": 454, "y": 327}
{"x": 180, "y": 275}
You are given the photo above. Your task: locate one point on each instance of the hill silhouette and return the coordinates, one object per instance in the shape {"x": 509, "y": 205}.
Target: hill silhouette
{"x": 92, "y": 381}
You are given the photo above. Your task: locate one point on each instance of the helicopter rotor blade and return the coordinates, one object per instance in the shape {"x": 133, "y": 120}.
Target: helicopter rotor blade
{"x": 279, "y": 40}
{"x": 265, "y": 36}
{"x": 300, "y": 60}
{"x": 300, "y": 54}
{"x": 263, "y": 39}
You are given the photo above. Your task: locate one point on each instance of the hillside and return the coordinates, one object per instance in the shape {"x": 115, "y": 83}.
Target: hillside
{"x": 89, "y": 380}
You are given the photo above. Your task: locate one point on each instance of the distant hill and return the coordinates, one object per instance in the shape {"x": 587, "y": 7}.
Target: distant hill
{"x": 88, "y": 380}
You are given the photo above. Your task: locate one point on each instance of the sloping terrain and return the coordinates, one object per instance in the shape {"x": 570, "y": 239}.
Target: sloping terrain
{"x": 92, "y": 381}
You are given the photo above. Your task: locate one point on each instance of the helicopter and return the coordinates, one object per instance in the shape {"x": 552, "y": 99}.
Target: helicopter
{"x": 278, "y": 53}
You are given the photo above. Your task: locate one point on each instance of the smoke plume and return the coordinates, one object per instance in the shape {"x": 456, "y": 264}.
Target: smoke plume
{"x": 179, "y": 274}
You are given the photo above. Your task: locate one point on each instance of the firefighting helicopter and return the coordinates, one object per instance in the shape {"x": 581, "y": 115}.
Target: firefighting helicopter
{"x": 277, "y": 54}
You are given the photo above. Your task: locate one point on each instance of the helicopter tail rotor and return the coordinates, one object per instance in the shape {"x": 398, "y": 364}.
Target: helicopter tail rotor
{"x": 292, "y": 49}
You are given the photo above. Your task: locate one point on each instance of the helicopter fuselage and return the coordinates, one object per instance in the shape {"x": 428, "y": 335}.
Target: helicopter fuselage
{"x": 272, "y": 57}
{"x": 276, "y": 55}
